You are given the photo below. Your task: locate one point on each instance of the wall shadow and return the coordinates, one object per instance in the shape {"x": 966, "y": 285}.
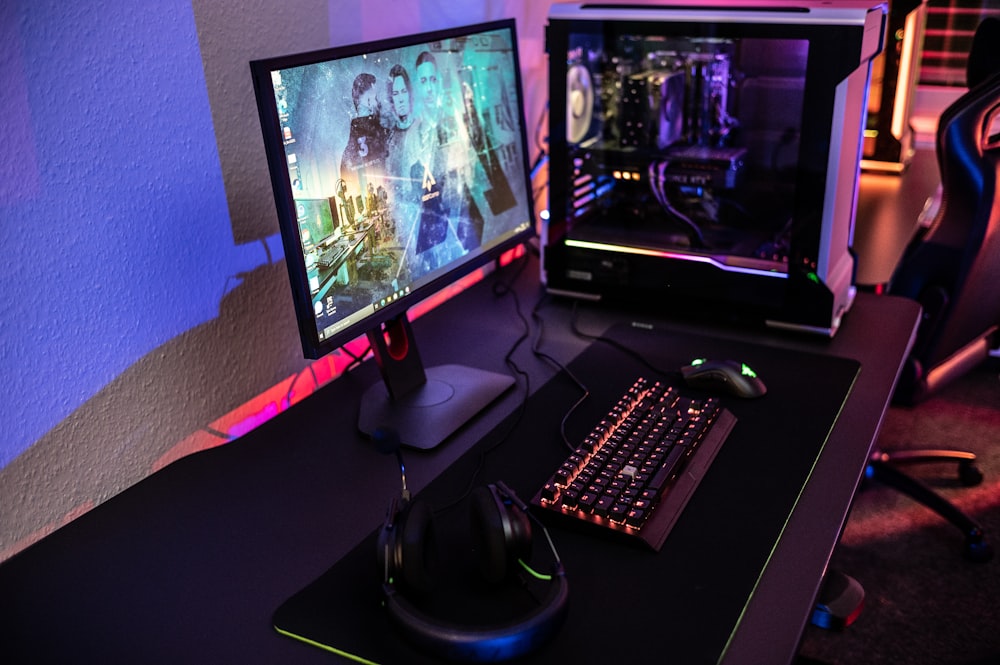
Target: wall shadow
{"x": 173, "y": 391}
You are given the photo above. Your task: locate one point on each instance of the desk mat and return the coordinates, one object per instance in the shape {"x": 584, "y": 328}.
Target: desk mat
{"x": 681, "y": 603}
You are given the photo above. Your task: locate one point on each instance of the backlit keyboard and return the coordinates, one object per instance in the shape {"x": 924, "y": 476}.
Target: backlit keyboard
{"x": 635, "y": 471}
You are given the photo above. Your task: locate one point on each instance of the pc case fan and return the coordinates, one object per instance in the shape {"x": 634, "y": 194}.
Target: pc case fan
{"x": 579, "y": 103}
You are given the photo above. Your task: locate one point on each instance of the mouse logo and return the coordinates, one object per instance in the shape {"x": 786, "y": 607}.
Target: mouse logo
{"x": 724, "y": 376}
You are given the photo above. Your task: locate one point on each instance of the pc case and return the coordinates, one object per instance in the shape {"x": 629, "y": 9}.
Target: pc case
{"x": 890, "y": 141}
{"x": 704, "y": 158}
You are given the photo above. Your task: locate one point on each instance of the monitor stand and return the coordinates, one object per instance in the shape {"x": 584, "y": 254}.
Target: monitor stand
{"x": 423, "y": 406}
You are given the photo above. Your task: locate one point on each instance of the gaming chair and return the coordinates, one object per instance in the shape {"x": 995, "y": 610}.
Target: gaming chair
{"x": 953, "y": 271}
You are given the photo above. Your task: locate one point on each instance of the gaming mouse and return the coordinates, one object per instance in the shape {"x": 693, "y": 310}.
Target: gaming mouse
{"x": 729, "y": 376}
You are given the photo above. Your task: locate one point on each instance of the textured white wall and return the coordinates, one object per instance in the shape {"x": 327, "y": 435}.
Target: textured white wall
{"x": 101, "y": 257}
{"x": 143, "y": 290}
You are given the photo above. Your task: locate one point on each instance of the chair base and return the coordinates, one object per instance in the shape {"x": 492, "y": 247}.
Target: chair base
{"x": 882, "y": 467}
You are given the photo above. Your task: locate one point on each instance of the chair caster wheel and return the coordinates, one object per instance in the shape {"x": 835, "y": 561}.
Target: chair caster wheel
{"x": 969, "y": 474}
{"x": 977, "y": 549}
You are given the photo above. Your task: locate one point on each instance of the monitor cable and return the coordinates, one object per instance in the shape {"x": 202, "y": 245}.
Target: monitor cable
{"x": 503, "y": 288}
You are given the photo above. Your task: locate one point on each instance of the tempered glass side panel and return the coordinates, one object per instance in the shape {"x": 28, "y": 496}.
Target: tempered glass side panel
{"x": 709, "y": 142}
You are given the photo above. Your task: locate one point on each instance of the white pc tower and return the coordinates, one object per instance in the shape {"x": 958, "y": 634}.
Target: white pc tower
{"x": 704, "y": 157}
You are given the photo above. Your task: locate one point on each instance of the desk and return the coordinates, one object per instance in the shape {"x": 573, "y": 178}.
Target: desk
{"x": 190, "y": 564}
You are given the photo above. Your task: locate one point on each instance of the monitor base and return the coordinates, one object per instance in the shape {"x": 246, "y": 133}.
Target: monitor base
{"x": 427, "y": 415}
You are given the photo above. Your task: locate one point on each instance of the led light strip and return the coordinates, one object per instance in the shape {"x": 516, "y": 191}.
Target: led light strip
{"x": 605, "y": 247}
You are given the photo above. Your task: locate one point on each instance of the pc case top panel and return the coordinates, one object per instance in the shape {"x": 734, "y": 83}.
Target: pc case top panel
{"x": 707, "y": 136}
{"x": 773, "y": 12}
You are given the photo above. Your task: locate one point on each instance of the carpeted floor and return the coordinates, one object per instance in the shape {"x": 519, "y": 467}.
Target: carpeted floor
{"x": 924, "y": 602}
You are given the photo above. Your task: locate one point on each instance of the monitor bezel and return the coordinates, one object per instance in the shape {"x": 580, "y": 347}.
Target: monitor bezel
{"x": 312, "y": 345}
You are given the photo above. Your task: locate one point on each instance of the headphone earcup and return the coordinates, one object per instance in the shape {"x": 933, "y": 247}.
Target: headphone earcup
{"x": 501, "y": 533}
{"x": 501, "y": 530}
{"x": 407, "y": 548}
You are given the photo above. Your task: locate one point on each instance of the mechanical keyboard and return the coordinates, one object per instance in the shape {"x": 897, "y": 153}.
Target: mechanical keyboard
{"x": 635, "y": 471}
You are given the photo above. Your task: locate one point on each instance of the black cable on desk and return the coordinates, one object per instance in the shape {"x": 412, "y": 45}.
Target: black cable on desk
{"x": 500, "y": 289}
{"x": 536, "y": 349}
{"x": 674, "y": 374}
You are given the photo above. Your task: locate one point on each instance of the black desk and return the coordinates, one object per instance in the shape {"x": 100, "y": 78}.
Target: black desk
{"x": 190, "y": 564}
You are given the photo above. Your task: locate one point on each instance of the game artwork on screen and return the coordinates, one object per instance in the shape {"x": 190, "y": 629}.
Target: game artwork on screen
{"x": 399, "y": 163}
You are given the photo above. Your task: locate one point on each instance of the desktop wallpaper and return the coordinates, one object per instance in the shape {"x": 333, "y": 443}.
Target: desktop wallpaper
{"x": 401, "y": 162}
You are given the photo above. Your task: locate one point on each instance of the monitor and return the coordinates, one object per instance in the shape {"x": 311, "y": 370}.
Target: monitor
{"x": 398, "y": 167}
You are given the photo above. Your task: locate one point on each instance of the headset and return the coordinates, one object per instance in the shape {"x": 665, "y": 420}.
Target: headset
{"x": 501, "y": 530}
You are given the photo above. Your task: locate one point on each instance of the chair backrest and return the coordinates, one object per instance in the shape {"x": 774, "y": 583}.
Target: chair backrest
{"x": 954, "y": 269}
{"x": 984, "y": 54}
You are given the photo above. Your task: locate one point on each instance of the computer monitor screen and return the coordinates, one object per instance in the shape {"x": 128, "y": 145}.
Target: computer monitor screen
{"x": 398, "y": 167}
